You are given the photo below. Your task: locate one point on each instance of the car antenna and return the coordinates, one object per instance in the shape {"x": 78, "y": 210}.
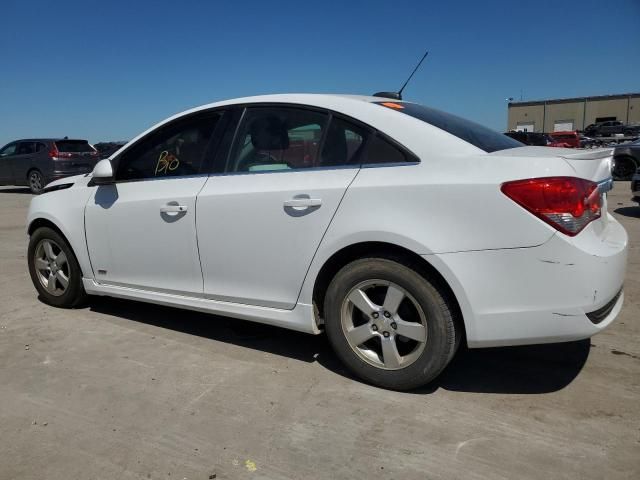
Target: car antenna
{"x": 398, "y": 95}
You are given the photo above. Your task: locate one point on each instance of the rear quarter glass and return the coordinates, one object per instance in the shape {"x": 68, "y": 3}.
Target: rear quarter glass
{"x": 477, "y": 135}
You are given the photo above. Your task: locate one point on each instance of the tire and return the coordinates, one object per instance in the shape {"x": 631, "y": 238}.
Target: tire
{"x": 415, "y": 360}
{"x": 35, "y": 181}
{"x": 624, "y": 167}
{"x": 50, "y": 265}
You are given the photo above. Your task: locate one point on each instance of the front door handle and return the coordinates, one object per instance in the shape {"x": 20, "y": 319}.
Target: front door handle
{"x": 173, "y": 209}
{"x": 303, "y": 202}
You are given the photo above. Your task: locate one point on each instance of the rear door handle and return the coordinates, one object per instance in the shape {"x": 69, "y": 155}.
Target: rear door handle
{"x": 173, "y": 209}
{"x": 303, "y": 202}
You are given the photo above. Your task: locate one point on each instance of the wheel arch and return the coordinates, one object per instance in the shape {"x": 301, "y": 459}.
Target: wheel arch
{"x": 41, "y": 222}
{"x": 377, "y": 249}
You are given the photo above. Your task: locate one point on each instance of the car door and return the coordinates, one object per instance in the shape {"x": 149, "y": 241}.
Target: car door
{"x": 261, "y": 221}
{"x": 6, "y": 156}
{"x": 141, "y": 230}
{"x": 22, "y": 162}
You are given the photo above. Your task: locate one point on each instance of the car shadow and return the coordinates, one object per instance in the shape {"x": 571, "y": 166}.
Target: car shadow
{"x": 509, "y": 370}
{"x": 633, "y": 212}
{"x": 16, "y": 190}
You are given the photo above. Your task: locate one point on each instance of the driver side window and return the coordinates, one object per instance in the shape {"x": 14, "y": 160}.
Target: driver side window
{"x": 173, "y": 150}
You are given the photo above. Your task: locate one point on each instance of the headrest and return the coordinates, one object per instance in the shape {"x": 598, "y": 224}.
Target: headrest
{"x": 269, "y": 133}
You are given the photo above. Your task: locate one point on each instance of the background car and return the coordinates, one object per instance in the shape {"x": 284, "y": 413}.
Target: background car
{"x": 635, "y": 187}
{"x": 37, "y": 161}
{"x": 626, "y": 160}
{"x": 348, "y": 215}
{"x": 610, "y": 128}
{"x": 569, "y": 139}
{"x": 530, "y": 138}
{"x": 106, "y": 149}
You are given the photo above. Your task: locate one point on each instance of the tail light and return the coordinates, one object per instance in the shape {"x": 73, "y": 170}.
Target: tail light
{"x": 568, "y": 204}
{"x": 54, "y": 153}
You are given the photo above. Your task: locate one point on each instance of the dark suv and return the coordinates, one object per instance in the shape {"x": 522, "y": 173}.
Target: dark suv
{"x": 36, "y": 162}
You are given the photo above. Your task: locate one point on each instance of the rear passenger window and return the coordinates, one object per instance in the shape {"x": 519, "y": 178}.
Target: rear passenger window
{"x": 272, "y": 139}
{"x": 40, "y": 147}
{"x": 379, "y": 150}
{"x": 25, "y": 148}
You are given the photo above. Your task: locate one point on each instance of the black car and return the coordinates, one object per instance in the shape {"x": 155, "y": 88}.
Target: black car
{"x": 610, "y": 128}
{"x": 106, "y": 149}
{"x": 37, "y": 161}
{"x": 530, "y": 138}
{"x": 626, "y": 160}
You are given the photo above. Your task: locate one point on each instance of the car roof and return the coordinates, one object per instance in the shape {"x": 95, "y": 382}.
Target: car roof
{"x": 326, "y": 100}
{"x": 48, "y": 140}
{"x": 405, "y": 129}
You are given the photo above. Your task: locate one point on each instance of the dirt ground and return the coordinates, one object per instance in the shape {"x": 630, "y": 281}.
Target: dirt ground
{"x": 124, "y": 390}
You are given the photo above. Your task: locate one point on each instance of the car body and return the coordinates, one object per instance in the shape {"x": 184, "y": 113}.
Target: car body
{"x": 320, "y": 212}
{"x": 37, "y": 161}
{"x": 626, "y": 160}
{"x": 530, "y": 138}
{"x": 568, "y": 139}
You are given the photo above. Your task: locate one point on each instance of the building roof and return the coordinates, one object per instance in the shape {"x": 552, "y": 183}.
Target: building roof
{"x": 576, "y": 99}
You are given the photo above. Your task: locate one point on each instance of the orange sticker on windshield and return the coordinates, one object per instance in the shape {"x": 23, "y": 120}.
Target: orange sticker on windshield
{"x": 397, "y": 106}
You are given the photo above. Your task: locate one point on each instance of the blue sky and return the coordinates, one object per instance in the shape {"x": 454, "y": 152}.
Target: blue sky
{"x": 106, "y": 70}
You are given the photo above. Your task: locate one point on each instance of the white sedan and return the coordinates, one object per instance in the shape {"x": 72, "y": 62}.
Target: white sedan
{"x": 397, "y": 229}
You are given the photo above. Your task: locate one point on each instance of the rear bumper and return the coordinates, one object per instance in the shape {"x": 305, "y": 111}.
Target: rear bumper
{"x": 542, "y": 294}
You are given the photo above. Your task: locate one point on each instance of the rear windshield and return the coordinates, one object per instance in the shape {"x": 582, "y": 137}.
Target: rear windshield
{"x": 74, "y": 146}
{"x": 482, "y": 137}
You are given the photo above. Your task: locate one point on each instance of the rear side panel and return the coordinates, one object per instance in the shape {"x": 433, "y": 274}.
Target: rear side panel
{"x": 541, "y": 294}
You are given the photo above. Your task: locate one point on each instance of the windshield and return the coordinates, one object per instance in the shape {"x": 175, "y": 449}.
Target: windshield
{"x": 482, "y": 137}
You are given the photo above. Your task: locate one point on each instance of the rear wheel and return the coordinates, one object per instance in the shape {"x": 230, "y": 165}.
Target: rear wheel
{"x": 388, "y": 324}
{"x": 54, "y": 269}
{"x": 36, "y": 181}
{"x": 624, "y": 167}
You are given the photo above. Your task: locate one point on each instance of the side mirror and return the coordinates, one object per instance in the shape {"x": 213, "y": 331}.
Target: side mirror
{"x": 103, "y": 172}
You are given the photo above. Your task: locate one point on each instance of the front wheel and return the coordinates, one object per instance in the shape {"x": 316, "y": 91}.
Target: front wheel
{"x": 390, "y": 325}
{"x": 54, "y": 269}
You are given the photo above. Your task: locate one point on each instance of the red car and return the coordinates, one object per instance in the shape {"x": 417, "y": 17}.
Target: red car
{"x": 570, "y": 139}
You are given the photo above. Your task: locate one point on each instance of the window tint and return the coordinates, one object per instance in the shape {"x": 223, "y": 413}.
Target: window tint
{"x": 343, "y": 144}
{"x": 25, "y": 148}
{"x": 277, "y": 139}
{"x": 173, "y": 150}
{"x": 380, "y": 150}
{"x": 482, "y": 137}
{"x": 9, "y": 150}
{"x": 40, "y": 146}
{"x": 74, "y": 146}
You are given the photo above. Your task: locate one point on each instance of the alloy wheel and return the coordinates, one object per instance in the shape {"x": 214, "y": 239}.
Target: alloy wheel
{"x": 383, "y": 324}
{"x": 52, "y": 267}
{"x": 35, "y": 181}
